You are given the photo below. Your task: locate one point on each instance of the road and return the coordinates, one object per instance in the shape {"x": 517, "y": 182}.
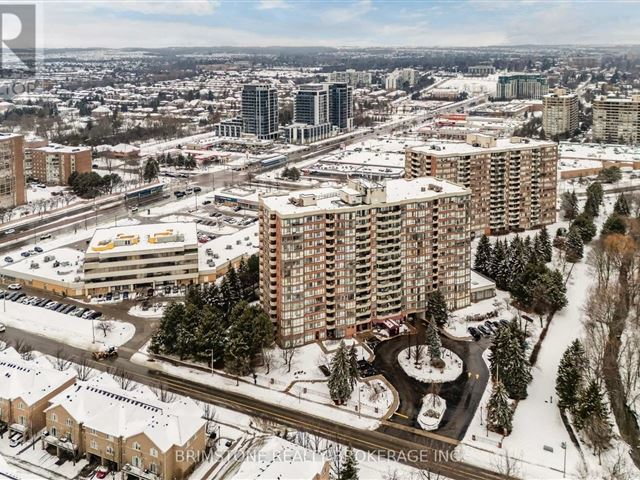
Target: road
{"x": 462, "y": 396}
{"x": 423, "y": 451}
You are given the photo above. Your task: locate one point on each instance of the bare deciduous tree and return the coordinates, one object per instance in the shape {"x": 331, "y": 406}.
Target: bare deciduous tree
{"x": 164, "y": 395}
{"x": 105, "y": 326}
{"x": 122, "y": 378}
{"x": 61, "y": 360}
{"x": 287, "y": 356}
{"x": 23, "y": 348}
{"x": 83, "y": 370}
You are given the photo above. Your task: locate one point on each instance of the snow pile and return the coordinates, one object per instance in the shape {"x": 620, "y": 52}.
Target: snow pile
{"x": 424, "y": 372}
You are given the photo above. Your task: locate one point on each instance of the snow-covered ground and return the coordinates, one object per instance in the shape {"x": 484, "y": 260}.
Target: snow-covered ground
{"x": 154, "y": 311}
{"x": 67, "y": 329}
{"x": 303, "y": 387}
{"x": 537, "y": 423}
{"x": 423, "y": 371}
{"x": 460, "y": 320}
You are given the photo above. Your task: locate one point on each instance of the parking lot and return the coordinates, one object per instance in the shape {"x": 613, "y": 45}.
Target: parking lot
{"x": 15, "y": 295}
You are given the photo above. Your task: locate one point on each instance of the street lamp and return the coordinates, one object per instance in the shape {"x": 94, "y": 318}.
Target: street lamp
{"x": 563, "y": 445}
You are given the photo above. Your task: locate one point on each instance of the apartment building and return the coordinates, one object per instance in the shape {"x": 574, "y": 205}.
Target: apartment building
{"x": 140, "y": 257}
{"x": 559, "y": 113}
{"x": 30, "y": 143}
{"x": 335, "y": 261}
{"x": 521, "y": 85}
{"x": 396, "y": 79}
{"x": 353, "y": 77}
{"x": 512, "y": 181}
{"x": 53, "y": 164}
{"x": 260, "y": 110}
{"x": 341, "y": 106}
{"x": 131, "y": 431}
{"x": 12, "y": 182}
{"x": 26, "y": 387}
{"x": 616, "y": 120}
{"x": 481, "y": 70}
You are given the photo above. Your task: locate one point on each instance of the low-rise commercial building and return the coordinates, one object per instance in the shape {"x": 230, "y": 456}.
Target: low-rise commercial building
{"x": 334, "y": 261}
{"x": 513, "y": 181}
{"x": 141, "y": 257}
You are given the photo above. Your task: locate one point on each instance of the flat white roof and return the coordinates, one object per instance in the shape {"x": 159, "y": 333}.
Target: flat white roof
{"x": 398, "y": 191}
{"x": 143, "y": 232}
{"x": 228, "y": 248}
{"x": 443, "y": 149}
{"x": 57, "y": 148}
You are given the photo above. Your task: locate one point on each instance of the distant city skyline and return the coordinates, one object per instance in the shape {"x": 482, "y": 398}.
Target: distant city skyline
{"x": 358, "y": 23}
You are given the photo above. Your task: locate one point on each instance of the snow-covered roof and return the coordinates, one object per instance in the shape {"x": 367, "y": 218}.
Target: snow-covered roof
{"x": 442, "y": 148}
{"x": 275, "y": 458}
{"x": 29, "y": 380}
{"x": 101, "y": 404}
{"x": 143, "y": 237}
{"x": 229, "y": 248}
{"x": 397, "y": 191}
{"x": 57, "y": 148}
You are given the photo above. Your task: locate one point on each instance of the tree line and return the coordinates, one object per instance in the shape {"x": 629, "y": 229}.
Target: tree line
{"x": 217, "y": 324}
{"x": 92, "y": 184}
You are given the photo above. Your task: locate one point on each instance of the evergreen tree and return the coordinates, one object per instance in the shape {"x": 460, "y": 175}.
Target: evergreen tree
{"x": 585, "y": 225}
{"x": 483, "y": 256}
{"x": 437, "y": 307}
{"x": 570, "y": 207}
{"x": 574, "y": 246}
{"x": 151, "y": 169}
{"x": 545, "y": 245}
{"x": 517, "y": 257}
{"x": 570, "y": 378}
{"x": 497, "y": 259}
{"x": 517, "y": 374}
{"x": 163, "y": 340}
{"x": 621, "y": 206}
{"x": 349, "y": 469}
{"x": 595, "y": 197}
{"x": 615, "y": 223}
{"x": 340, "y": 386}
{"x": 591, "y": 405}
{"x": 499, "y": 411}
{"x": 434, "y": 344}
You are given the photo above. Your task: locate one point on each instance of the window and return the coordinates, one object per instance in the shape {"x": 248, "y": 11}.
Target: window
{"x": 69, "y": 422}
{"x": 54, "y": 417}
{"x": 153, "y": 468}
{"x": 21, "y": 406}
{"x": 153, "y": 452}
{"x": 92, "y": 431}
{"x": 94, "y": 444}
{"x": 109, "y": 450}
{"x": 54, "y": 431}
{"x": 136, "y": 446}
{"x": 136, "y": 462}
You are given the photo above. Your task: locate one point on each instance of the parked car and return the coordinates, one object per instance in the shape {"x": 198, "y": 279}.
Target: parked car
{"x": 51, "y": 305}
{"x": 484, "y": 330}
{"x": 206, "y": 202}
{"x": 10, "y": 231}
{"x": 18, "y": 297}
{"x": 46, "y": 236}
{"x": 2, "y": 327}
{"x": 68, "y": 309}
{"x": 87, "y": 315}
{"x": 60, "y": 307}
{"x": 134, "y": 209}
{"x": 102, "y": 472}
{"x": 25, "y": 254}
{"x": 38, "y": 249}
{"x": 504, "y": 322}
{"x": 96, "y": 315}
{"x": 197, "y": 189}
{"x": 42, "y": 302}
{"x": 14, "y": 286}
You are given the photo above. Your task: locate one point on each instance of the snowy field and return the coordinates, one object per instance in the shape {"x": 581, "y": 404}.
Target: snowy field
{"x": 67, "y": 329}
{"x": 424, "y": 372}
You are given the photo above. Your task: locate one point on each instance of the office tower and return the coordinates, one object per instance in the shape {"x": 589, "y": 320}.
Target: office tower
{"x": 616, "y": 120}
{"x": 260, "y": 110}
{"x": 11, "y": 170}
{"x": 335, "y": 261}
{"x": 512, "y": 181}
{"x": 559, "y": 113}
{"x": 521, "y": 85}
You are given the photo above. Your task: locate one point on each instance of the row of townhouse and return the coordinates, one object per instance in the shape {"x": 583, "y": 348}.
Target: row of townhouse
{"x": 128, "y": 431}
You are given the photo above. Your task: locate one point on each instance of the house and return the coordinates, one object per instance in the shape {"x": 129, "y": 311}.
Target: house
{"x": 132, "y": 431}
{"x": 26, "y": 387}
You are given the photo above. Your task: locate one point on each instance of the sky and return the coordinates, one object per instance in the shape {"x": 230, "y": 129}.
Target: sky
{"x": 365, "y": 23}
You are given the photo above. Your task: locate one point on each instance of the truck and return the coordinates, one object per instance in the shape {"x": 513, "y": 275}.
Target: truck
{"x": 106, "y": 352}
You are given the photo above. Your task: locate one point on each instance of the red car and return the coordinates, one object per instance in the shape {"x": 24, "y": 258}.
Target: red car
{"x": 102, "y": 472}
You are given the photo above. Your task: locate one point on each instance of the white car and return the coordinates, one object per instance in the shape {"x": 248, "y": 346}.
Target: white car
{"x": 9, "y": 232}
{"x": 14, "y": 286}
{"x": 2, "y": 327}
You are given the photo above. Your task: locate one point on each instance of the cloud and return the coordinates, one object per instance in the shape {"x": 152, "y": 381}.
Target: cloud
{"x": 272, "y": 4}
{"x": 161, "y": 7}
{"x": 347, "y": 12}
